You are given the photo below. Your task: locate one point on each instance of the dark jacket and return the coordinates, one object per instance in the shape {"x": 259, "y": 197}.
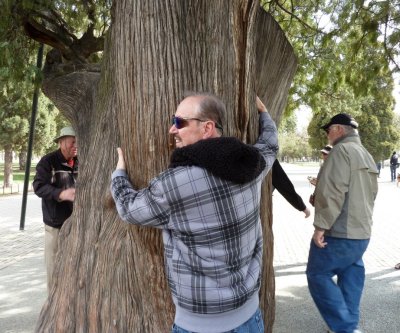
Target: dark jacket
{"x": 394, "y": 159}
{"x": 53, "y": 175}
{"x": 282, "y": 183}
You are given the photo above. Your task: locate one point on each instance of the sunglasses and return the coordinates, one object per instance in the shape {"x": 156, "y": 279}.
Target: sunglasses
{"x": 180, "y": 122}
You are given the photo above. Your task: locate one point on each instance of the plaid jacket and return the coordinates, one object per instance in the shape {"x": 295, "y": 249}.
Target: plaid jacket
{"x": 207, "y": 204}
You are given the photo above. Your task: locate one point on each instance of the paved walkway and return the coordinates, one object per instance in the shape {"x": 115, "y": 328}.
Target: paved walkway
{"x": 22, "y": 277}
{"x": 22, "y": 272}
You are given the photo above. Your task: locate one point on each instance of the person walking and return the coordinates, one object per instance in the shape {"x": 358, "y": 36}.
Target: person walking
{"x": 313, "y": 180}
{"x": 208, "y": 205}
{"x": 344, "y": 200}
{"x": 394, "y": 159}
{"x": 54, "y": 182}
{"x": 379, "y": 167}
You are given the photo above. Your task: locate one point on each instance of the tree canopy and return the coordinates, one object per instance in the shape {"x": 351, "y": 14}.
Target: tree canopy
{"x": 348, "y": 52}
{"x": 342, "y": 47}
{"x": 18, "y": 76}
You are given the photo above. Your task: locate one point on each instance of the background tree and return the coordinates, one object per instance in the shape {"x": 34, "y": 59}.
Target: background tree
{"x": 378, "y": 129}
{"x": 342, "y": 46}
{"x": 109, "y": 276}
{"x": 15, "y": 113}
{"x": 13, "y": 126}
{"x": 374, "y": 113}
{"x": 16, "y": 90}
{"x": 49, "y": 121}
{"x": 293, "y": 143}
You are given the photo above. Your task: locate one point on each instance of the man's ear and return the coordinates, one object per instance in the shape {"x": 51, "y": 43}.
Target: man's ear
{"x": 209, "y": 129}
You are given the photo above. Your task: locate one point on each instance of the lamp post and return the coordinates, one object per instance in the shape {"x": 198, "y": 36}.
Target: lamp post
{"x": 30, "y": 142}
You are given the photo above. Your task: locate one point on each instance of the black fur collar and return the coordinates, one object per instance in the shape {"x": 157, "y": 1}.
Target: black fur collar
{"x": 225, "y": 157}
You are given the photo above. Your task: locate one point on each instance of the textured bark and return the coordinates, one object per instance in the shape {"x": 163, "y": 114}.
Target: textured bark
{"x": 109, "y": 276}
{"x": 8, "y": 170}
{"x": 22, "y": 160}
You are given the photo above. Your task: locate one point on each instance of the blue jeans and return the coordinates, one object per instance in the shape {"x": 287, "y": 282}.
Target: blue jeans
{"x": 339, "y": 302}
{"x": 254, "y": 325}
{"x": 393, "y": 172}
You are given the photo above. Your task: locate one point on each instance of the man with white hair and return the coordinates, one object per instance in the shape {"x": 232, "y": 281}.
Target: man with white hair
{"x": 344, "y": 200}
{"x": 54, "y": 182}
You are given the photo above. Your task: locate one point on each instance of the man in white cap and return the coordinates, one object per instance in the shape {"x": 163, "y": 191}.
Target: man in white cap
{"x": 313, "y": 180}
{"x": 54, "y": 182}
{"x": 344, "y": 200}
{"x": 325, "y": 151}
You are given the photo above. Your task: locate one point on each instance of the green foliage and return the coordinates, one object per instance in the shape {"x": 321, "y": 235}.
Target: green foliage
{"x": 292, "y": 145}
{"x": 48, "y": 123}
{"x": 288, "y": 125}
{"x": 347, "y": 52}
{"x": 337, "y": 40}
{"x": 18, "y": 175}
{"x": 14, "y": 112}
{"x": 374, "y": 113}
{"x": 18, "y": 71}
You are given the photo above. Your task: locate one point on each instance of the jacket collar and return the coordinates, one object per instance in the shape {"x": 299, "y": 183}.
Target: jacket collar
{"x": 62, "y": 158}
{"x": 225, "y": 157}
{"x": 353, "y": 137}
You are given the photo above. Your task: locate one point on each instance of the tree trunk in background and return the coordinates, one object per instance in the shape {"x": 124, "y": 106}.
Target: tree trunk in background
{"x": 22, "y": 160}
{"x": 109, "y": 275}
{"x": 8, "y": 170}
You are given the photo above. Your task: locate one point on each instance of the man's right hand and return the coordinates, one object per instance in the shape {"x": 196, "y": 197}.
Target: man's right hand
{"x": 67, "y": 195}
{"x": 319, "y": 239}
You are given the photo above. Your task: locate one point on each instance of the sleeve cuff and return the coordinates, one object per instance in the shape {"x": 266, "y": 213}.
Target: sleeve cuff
{"x": 119, "y": 173}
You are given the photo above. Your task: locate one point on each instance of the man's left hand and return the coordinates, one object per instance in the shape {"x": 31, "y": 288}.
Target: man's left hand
{"x": 121, "y": 160}
{"x": 260, "y": 105}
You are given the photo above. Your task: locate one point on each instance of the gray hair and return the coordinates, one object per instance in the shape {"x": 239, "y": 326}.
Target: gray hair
{"x": 210, "y": 107}
{"x": 349, "y": 129}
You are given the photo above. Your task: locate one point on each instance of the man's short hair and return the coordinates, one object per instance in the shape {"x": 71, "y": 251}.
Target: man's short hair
{"x": 210, "y": 107}
{"x": 349, "y": 129}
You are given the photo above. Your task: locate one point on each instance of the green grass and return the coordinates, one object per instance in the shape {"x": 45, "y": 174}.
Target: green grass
{"x": 18, "y": 175}
{"x": 307, "y": 164}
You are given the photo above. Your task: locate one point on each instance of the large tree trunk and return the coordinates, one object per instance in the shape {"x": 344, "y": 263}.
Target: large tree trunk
{"x": 8, "y": 170}
{"x": 109, "y": 275}
{"x": 22, "y": 160}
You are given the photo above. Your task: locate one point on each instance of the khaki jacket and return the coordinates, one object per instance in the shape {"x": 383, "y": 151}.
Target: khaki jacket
{"x": 346, "y": 190}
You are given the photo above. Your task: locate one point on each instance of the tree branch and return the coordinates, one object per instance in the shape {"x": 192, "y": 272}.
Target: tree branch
{"x": 292, "y": 15}
{"x": 388, "y": 53}
{"x": 48, "y": 27}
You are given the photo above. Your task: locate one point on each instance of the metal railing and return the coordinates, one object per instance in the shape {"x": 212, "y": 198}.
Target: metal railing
{"x": 14, "y": 188}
